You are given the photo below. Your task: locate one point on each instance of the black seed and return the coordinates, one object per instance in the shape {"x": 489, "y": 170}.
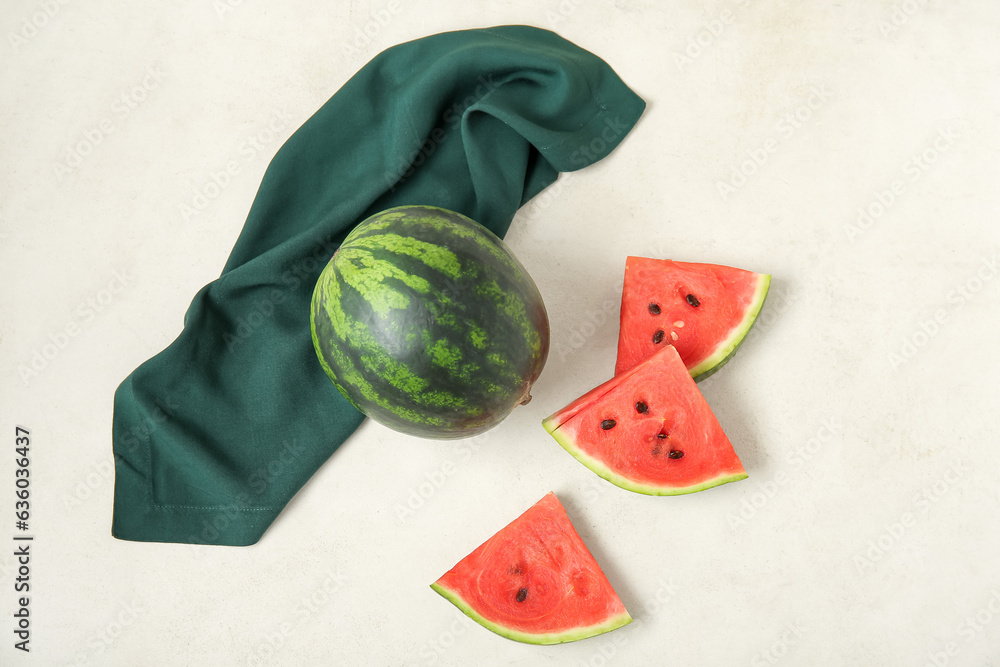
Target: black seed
{"x": 693, "y": 300}
{"x": 521, "y": 594}
{"x": 657, "y": 337}
{"x": 641, "y": 408}
{"x": 654, "y": 309}
{"x": 675, "y": 454}
{"x": 608, "y": 424}
{"x": 661, "y": 435}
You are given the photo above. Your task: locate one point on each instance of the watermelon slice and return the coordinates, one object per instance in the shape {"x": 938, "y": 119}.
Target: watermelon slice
{"x": 703, "y": 310}
{"x": 535, "y": 581}
{"x": 649, "y": 430}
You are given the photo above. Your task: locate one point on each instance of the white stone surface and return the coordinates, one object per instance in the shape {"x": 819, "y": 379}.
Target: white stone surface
{"x": 864, "y": 404}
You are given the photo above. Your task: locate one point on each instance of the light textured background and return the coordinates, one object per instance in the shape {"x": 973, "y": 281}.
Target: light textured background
{"x": 864, "y": 403}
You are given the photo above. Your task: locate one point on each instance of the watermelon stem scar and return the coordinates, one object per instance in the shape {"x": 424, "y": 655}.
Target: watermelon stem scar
{"x": 525, "y": 397}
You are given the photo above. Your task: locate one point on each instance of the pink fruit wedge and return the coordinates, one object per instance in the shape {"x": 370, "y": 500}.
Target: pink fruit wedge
{"x": 535, "y": 581}
{"x": 649, "y": 430}
{"x": 703, "y": 310}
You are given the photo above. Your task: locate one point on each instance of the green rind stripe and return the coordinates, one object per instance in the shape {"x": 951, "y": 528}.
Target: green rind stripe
{"x": 434, "y": 256}
{"x": 477, "y": 336}
{"x": 438, "y": 218}
{"x": 570, "y": 635}
{"x": 513, "y": 308}
{"x": 326, "y": 366}
{"x": 335, "y": 321}
{"x": 350, "y": 376}
{"x": 453, "y": 336}
{"x": 604, "y": 471}
{"x": 728, "y": 347}
{"x": 370, "y": 353}
{"x": 392, "y": 374}
{"x": 373, "y": 279}
{"x": 374, "y": 359}
{"x": 370, "y": 225}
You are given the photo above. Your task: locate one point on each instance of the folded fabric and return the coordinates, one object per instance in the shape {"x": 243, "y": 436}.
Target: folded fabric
{"x": 213, "y": 436}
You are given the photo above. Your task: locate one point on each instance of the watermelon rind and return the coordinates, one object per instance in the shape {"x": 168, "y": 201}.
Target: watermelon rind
{"x": 552, "y": 426}
{"x": 727, "y": 348}
{"x": 427, "y": 323}
{"x": 570, "y": 635}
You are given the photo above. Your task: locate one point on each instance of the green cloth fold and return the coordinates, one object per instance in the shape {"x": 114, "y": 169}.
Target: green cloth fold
{"x": 213, "y": 436}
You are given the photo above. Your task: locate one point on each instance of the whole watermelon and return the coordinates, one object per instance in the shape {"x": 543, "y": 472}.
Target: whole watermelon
{"x": 427, "y": 323}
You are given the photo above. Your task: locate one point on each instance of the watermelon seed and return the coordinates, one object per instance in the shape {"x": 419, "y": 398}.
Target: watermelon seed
{"x": 661, "y": 435}
{"x": 641, "y": 408}
{"x": 654, "y": 309}
{"x": 675, "y": 454}
{"x": 657, "y": 337}
{"x": 608, "y": 424}
{"x": 693, "y": 300}
{"x": 521, "y": 594}
{"x": 679, "y": 324}
{"x": 673, "y": 335}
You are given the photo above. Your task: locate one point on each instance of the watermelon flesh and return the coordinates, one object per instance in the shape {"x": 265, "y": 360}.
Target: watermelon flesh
{"x": 535, "y": 581}
{"x": 649, "y": 430}
{"x": 703, "y": 310}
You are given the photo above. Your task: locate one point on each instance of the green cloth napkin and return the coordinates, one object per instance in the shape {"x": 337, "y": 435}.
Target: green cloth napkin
{"x": 214, "y": 435}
